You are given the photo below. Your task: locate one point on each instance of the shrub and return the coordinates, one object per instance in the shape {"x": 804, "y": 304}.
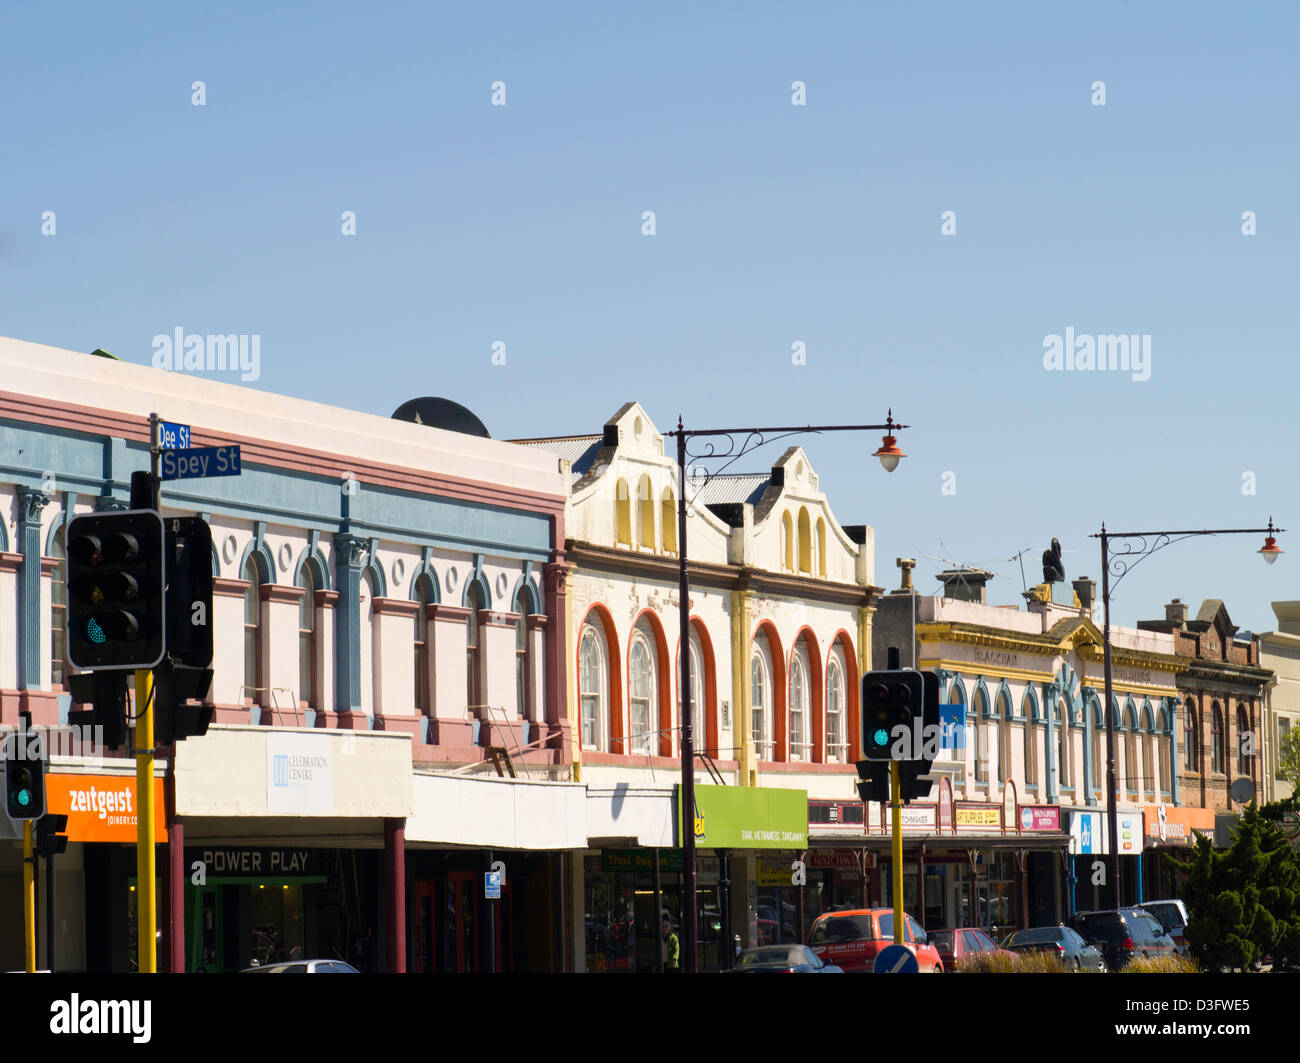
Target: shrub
{"x": 1021, "y": 963}
{"x": 1161, "y": 965}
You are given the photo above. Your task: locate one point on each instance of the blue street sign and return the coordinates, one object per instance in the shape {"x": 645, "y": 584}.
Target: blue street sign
{"x": 492, "y": 885}
{"x": 1085, "y": 835}
{"x": 173, "y": 436}
{"x": 896, "y": 959}
{"x": 199, "y": 462}
{"x": 952, "y": 720}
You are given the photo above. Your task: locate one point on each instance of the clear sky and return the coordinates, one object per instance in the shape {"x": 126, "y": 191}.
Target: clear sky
{"x": 775, "y": 224}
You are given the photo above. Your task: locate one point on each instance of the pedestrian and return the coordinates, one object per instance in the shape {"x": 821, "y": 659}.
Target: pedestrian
{"x": 672, "y": 947}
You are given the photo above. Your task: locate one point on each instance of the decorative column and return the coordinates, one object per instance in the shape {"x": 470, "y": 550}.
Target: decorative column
{"x": 1174, "y": 766}
{"x": 350, "y": 555}
{"x": 1050, "y": 695}
{"x": 1088, "y": 796}
{"x": 33, "y": 698}
{"x": 556, "y": 606}
{"x": 741, "y": 691}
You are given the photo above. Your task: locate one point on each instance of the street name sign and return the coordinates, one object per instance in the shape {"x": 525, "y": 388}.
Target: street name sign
{"x": 196, "y": 462}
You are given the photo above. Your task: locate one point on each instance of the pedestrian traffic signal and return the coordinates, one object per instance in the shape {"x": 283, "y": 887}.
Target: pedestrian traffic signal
{"x": 24, "y": 755}
{"x": 875, "y": 786}
{"x": 189, "y": 591}
{"x": 116, "y": 590}
{"x": 891, "y": 713}
{"x": 50, "y": 837}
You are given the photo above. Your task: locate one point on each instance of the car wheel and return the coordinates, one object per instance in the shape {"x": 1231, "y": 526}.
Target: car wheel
{"x": 1078, "y": 965}
{"x": 1101, "y": 966}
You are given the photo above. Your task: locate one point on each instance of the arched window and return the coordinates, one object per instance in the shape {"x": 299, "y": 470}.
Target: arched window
{"x": 821, "y": 547}
{"x": 1191, "y": 738}
{"x": 592, "y": 686}
{"x": 642, "y": 704}
{"x": 1245, "y": 744}
{"x": 1004, "y": 737}
{"x": 1031, "y": 740}
{"x": 1131, "y": 777}
{"x": 423, "y": 703}
{"x": 798, "y": 707}
{"x": 760, "y": 699}
{"x": 835, "y": 735}
{"x": 1063, "y": 744}
{"x": 805, "y": 541}
{"x": 668, "y": 518}
{"x": 645, "y": 512}
{"x": 698, "y": 737}
{"x": 521, "y": 656}
{"x": 473, "y": 661}
{"x": 307, "y": 638}
{"x": 1097, "y": 732}
{"x": 622, "y": 514}
{"x": 787, "y": 541}
{"x": 961, "y": 740}
{"x": 1148, "y": 748}
{"x": 1217, "y": 762}
{"x": 980, "y": 710}
{"x": 1164, "y": 744}
{"x": 59, "y": 611}
{"x": 252, "y": 631}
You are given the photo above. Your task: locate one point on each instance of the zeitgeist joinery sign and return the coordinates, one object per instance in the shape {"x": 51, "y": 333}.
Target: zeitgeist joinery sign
{"x": 749, "y": 817}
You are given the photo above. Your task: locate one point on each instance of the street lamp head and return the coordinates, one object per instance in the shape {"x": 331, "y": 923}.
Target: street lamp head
{"x": 889, "y": 454}
{"x": 1270, "y": 551}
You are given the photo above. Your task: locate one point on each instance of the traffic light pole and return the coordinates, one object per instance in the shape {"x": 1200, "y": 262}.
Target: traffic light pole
{"x": 29, "y": 898}
{"x": 896, "y": 804}
{"x": 146, "y": 941}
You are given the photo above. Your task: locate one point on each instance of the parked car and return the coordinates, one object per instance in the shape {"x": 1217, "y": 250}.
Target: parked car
{"x": 1069, "y": 947}
{"x": 1172, "y": 915}
{"x": 303, "y": 967}
{"x": 854, "y": 938}
{"x": 783, "y": 959}
{"x": 961, "y": 943}
{"x": 1121, "y": 934}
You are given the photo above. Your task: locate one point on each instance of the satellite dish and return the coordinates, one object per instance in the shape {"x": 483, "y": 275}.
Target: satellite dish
{"x": 441, "y": 413}
{"x": 1242, "y": 790}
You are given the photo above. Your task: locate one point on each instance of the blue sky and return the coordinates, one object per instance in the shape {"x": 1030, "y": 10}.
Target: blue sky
{"x": 775, "y": 224}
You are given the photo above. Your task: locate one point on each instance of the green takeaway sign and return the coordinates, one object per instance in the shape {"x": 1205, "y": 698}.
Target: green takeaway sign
{"x": 749, "y": 817}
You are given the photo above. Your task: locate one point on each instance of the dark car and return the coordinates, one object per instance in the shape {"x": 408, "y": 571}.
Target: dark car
{"x": 1068, "y": 946}
{"x": 962, "y": 943}
{"x": 783, "y": 959}
{"x": 1123, "y": 934}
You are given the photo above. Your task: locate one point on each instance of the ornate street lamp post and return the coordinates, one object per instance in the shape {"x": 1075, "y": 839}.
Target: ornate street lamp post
{"x": 1120, "y": 562}
{"x": 749, "y": 439}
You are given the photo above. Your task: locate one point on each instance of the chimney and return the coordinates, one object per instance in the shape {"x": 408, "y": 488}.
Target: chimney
{"x": 1086, "y": 589}
{"x": 1176, "y": 612}
{"x": 906, "y": 564}
{"x": 964, "y": 584}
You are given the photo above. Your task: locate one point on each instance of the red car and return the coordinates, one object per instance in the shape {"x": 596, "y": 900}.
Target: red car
{"x": 853, "y": 939}
{"x": 963, "y": 942}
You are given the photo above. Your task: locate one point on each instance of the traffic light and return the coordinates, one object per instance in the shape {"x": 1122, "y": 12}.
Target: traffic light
{"x": 875, "y": 786}
{"x": 175, "y": 687}
{"x": 116, "y": 590}
{"x": 24, "y": 754}
{"x": 891, "y": 699}
{"x": 50, "y": 837}
{"x": 189, "y": 591}
{"x": 106, "y": 693}
{"x": 910, "y": 771}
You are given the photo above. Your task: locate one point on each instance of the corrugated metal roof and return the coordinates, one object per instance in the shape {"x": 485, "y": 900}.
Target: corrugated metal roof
{"x": 579, "y": 450}
{"x": 733, "y": 487}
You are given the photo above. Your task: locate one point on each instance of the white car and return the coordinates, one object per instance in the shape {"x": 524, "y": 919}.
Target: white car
{"x": 1172, "y": 915}
{"x": 304, "y": 967}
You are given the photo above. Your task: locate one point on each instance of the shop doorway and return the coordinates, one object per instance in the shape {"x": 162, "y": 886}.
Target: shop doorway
{"x": 450, "y": 929}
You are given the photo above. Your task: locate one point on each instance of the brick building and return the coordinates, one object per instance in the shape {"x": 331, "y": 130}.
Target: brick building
{"x": 1222, "y": 702}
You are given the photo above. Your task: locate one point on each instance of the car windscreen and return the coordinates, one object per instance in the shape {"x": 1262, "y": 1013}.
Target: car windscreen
{"x": 763, "y": 956}
{"x": 843, "y": 928}
{"x": 1101, "y": 926}
{"x": 1168, "y": 914}
{"x": 1035, "y": 937}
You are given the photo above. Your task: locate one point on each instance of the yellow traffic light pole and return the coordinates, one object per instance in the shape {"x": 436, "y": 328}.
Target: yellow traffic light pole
{"x": 145, "y": 941}
{"x": 896, "y": 803}
{"x": 29, "y": 899}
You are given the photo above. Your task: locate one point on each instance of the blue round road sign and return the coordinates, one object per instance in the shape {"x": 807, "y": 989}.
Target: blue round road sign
{"x": 896, "y": 959}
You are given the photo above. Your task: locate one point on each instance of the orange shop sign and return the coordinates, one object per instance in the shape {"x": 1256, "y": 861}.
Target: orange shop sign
{"x": 1174, "y": 825}
{"x": 101, "y": 808}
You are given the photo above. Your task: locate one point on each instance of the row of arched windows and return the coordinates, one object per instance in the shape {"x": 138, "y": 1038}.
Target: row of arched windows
{"x": 794, "y": 714}
{"x": 648, "y": 530}
{"x": 801, "y": 551}
{"x": 1194, "y": 754}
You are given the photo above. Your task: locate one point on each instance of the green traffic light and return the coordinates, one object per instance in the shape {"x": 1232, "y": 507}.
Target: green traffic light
{"x": 24, "y": 797}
